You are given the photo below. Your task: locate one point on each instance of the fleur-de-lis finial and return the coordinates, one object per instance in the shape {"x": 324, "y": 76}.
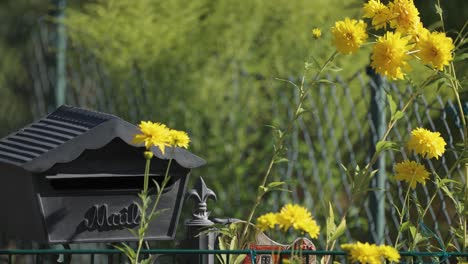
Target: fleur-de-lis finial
{"x": 200, "y": 194}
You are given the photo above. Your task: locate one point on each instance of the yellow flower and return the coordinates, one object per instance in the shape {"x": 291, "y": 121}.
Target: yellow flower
{"x": 310, "y": 227}
{"x": 298, "y": 218}
{"x": 405, "y": 16}
{"x": 349, "y": 35}
{"x": 317, "y": 33}
{"x": 435, "y": 49}
{"x": 379, "y": 13}
{"x": 411, "y": 172}
{"x": 178, "y": 139}
{"x": 389, "y": 253}
{"x": 389, "y": 55}
{"x": 363, "y": 253}
{"x": 152, "y": 134}
{"x": 419, "y": 32}
{"x": 426, "y": 143}
{"x": 267, "y": 221}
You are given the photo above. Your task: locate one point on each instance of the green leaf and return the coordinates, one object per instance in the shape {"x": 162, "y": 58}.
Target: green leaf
{"x": 325, "y": 81}
{"x": 127, "y": 250}
{"x": 221, "y": 244}
{"x": 461, "y": 57}
{"x": 158, "y": 188}
{"x": 439, "y": 10}
{"x": 392, "y": 104}
{"x": 412, "y": 230}
{"x": 339, "y": 230}
{"x": 401, "y": 244}
{"x": 384, "y": 145}
{"x": 233, "y": 245}
{"x": 275, "y": 184}
{"x": 133, "y": 232}
{"x": 334, "y": 69}
{"x": 239, "y": 259}
{"x": 330, "y": 223}
{"x": 405, "y": 226}
{"x": 398, "y": 115}
{"x": 281, "y": 160}
{"x": 300, "y": 111}
{"x": 262, "y": 190}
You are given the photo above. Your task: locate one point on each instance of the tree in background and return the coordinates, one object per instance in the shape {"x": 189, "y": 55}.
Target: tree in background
{"x": 204, "y": 65}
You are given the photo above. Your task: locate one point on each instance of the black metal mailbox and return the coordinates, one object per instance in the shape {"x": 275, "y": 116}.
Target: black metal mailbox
{"x": 74, "y": 175}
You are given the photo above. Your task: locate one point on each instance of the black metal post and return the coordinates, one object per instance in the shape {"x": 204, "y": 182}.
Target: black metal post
{"x": 199, "y": 222}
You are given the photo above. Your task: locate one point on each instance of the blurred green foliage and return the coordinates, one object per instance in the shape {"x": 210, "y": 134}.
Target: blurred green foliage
{"x": 17, "y": 20}
{"x": 210, "y": 69}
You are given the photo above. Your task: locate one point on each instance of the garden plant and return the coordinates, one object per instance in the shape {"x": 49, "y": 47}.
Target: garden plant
{"x": 398, "y": 41}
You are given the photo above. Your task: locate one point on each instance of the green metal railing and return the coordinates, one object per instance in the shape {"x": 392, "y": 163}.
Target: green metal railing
{"x": 177, "y": 255}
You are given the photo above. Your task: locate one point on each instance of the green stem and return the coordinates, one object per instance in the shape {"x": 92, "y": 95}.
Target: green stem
{"x": 280, "y": 145}
{"x": 163, "y": 185}
{"x": 146, "y": 177}
{"x": 421, "y": 217}
{"x": 275, "y": 155}
{"x": 403, "y": 212}
{"x": 465, "y": 242}
{"x": 393, "y": 122}
{"x": 143, "y": 218}
{"x": 456, "y": 86}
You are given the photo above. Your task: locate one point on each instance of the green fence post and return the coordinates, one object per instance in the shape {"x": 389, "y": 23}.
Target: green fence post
{"x": 61, "y": 49}
{"x": 377, "y": 197}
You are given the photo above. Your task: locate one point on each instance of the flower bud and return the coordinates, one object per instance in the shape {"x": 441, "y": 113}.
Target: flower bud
{"x": 148, "y": 155}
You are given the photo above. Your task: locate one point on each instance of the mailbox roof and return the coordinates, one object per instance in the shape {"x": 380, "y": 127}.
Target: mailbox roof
{"x": 64, "y": 134}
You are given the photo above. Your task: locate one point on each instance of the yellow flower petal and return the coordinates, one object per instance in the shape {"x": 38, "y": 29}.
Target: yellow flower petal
{"x": 364, "y": 253}
{"x": 298, "y": 218}
{"x": 317, "y": 33}
{"x": 389, "y": 55}
{"x": 436, "y": 49}
{"x": 404, "y": 16}
{"x": 349, "y": 35}
{"x": 426, "y": 143}
{"x": 152, "y": 134}
{"x": 411, "y": 172}
{"x": 378, "y": 12}
{"x": 178, "y": 139}
{"x": 267, "y": 221}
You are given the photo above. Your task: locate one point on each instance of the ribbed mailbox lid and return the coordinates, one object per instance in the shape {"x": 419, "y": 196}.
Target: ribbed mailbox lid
{"x": 73, "y": 176}
{"x": 64, "y": 134}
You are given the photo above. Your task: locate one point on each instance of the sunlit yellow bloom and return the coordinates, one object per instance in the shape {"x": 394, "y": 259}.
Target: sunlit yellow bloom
{"x": 419, "y": 32}
{"x": 317, "y": 33}
{"x": 389, "y": 253}
{"x": 426, "y": 143}
{"x": 298, "y": 218}
{"x": 404, "y": 16}
{"x": 364, "y": 253}
{"x": 267, "y": 221}
{"x": 178, "y": 139}
{"x": 349, "y": 35}
{"x": 435, "y": 49}
{"x": 152, "y": 134}
{"x": 411, "y": 172}
{"x": 378, "y": 12}
{"x": 389, "y": 55}
{"x": 310, "y": 227}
